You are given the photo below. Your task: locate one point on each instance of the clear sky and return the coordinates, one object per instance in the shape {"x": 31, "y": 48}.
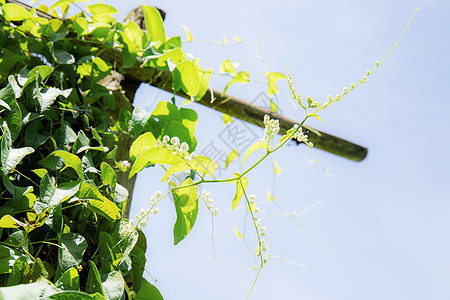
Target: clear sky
{"x": 378, "y": 229}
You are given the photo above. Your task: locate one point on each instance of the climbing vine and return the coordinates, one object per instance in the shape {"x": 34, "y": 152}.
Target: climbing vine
{"x": 72, "y": 143}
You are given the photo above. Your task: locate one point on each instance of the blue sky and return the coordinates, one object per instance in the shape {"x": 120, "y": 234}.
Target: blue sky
{"x": 378, "y": 229}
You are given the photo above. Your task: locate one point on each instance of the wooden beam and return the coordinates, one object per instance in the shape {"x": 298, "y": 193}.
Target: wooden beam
{"x": 228, "y": 104}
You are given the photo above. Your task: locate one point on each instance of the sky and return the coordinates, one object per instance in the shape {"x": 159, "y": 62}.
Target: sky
{"x": 378, "y": 229}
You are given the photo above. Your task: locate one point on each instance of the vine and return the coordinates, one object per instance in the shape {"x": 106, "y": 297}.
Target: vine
{"x": 72, "y": 143}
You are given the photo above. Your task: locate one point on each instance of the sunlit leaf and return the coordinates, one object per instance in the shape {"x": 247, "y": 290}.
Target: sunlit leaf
{"x": 188, "y": 34}
{"x": 68, "y": 160}
{"x": 186, "y": 78}
{"x": 230, "y": 157}
{"x": 241, "y": 185}
{"x": 186, "y": 205}
{"x": 273, "y": 78}
{"x": 241, "y": 77}
{"x": 276, "y": 168}
{"x": 154, "y": 24}
{"x": 141, "y": 144}
{"x": 99, "y": 203}
{"x": 238, "y": 234}
{"x": 14, "y": 12}
{"x": 269, "y": 195}
{"x": 227, "y": 119}
{"x": 8, "y": 221}
{"x": 69, "y": 280}
{"x": 101, "y": 9}
{"x": 253, "y": 148}
{"x": 227, "y": 67}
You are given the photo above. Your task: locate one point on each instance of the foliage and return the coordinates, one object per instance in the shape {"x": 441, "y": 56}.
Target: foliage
{"x": 67, "y": 136}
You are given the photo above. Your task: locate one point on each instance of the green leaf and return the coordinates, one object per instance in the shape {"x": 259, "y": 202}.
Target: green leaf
{"x": 176, "y": 128}
{"x": 241, "y": 185}
{"x": 14, "y": 115}
{"x": 43, "y": 71}
{"x": 188, "y": 34}
{"x": 14, "y": 12}
{"x": 81, "y": 26}
{"x": 8, "y": 221}
{"x": 203, "y": 164}
{"x": 28, "y": 291}
{"x": 227, "y": 67}
{"x": 151, "y": 156}
{"x": 139, "y": 118}
{"x": 37, "y": 271}
{"x": 47, "y": 96}
{"x": 10, "y": 157}
{"x": 141, "y": 144}
{"x": 253, "y": 148}
{"x": 124, "y": 239}
{"x": 64, "y": 2}
{"x": 94, "y": 282}
{"x": 276, "y": 168}
{"x": 72, "y": 249}
{"x": 63, "y": 57}
{"x": 69, "y": 280}
{"x": 154, "y": 24}
{"x": 186, "y": 205}
{"x": 186, "y": 78}
{"x": 101, "y": 9}
{"x": 108, "y": 175}
{"x": 74, "y": 295}
{"x": 99, "y": 203}
{"x": 273, "y": 78}
{"x": 204, "y": 77}
{"x": 241, "y": 77}
{"x": 230, "y": 157}
{"x": 68, "y": 160}
{"x": 65, "y": 135}
{"x": 19, "y": 269}
{"x": 148, "y": 292}
{"x": 227, "y": 119}
{"x": 34, "y": 134}
{"x": 113, "y": 286}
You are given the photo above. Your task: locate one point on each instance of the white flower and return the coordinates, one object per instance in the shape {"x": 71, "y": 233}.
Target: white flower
{"x": 142, "y": 212}
{"x": 184, "y": 147}
{"x": 252, "y": 196}
{"x": 193, "y": 155}
{"x": 125, "y": 164}
{"x": 152, "y": 198}
{"x": 330, "y": 97}
{"x": 143, "y": 223}
{"x": 166, "y": 139}
{"x": 158, "y": 194}
{"x": 216, "y": 210}
{"x": 263, "y": 228}
{"x": 131, "y": 223}
{"x": 155, "y": 210}
{"x": 175, "y": 141}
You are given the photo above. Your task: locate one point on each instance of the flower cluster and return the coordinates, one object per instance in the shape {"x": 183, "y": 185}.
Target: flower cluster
{"x": 177, "y": 148}
{"x": 261, "y": 229}
{"x": 271, "y": 127}
{"x": 301, "y": 137}
{"x": 142, "y": 216}
{"x": 124, "y": 165}
{"x": 205, "y": 196}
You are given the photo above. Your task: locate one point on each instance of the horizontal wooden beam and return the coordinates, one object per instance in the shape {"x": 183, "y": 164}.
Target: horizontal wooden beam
{"x": 228, "y": 104}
